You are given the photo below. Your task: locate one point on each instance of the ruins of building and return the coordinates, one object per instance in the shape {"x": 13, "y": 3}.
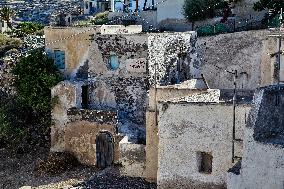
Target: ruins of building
{"x": 262, "y": 164}
{"x": 123, "y": 86}
{"x": 108, "y": 71}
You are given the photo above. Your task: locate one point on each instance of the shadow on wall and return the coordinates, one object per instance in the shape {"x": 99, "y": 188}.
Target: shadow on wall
{"x": 269, "y": 124}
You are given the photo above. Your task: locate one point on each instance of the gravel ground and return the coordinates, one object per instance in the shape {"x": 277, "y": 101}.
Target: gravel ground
{"x": 110, "y": 179}
{"x": 17, "y": 171}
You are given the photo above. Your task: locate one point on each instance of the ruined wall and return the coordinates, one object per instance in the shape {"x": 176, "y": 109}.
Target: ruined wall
{"x": 74, "y": 129}
{"x": 64, "y": 96}
{"x": 75, "y": 45}
{"x": 188, "y": 129}
{"x": 167, "y": 51}
{"x": 132, "y": 158}
{"x": 245, "y": 52}
{"x": 263, "y": 163}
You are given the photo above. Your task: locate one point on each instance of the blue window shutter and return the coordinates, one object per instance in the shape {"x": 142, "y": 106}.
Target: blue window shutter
{"x": 59, "y": 59}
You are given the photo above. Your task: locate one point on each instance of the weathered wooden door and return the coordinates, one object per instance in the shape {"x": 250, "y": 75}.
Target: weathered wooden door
{"x": 104, "y": 150}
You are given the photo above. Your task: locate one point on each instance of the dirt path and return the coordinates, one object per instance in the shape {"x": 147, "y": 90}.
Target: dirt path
{"x": 17, "y": 171}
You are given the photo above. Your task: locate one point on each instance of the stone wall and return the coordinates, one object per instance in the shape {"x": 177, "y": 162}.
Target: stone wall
{"x": 75, "y": 129}
{"x": 132, "y": 158}
{"x": 187, "y": 129}
{"x": 262, "y": 165}
{"x": 168, "y": 51}
{"x": 245, "y": 52}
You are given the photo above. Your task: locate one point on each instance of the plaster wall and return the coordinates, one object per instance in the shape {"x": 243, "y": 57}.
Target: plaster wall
{"x": 75, "y": 46}
{"x": 262, "y": 164}
{"x": 132, "y": 158}
{"x": 80, "y": 137}
{"x": 64, "y": 96}
{"x": 169, "y": 9}
{"x": 246, "y": 52}
{"x": 185, "y": 130}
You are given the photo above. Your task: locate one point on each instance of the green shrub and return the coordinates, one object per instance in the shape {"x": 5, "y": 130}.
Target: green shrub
{"x": 7, "y": 43}
{"x": 35, "y": 75}
{"x": 100, "y": 18}
{"x": 28, "y": 28}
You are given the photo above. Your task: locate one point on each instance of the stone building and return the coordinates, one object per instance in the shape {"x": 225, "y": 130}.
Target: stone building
{"x": 189, "y": 135}
{"x": 262, "y": 164}
{"x": 108, "y": 71}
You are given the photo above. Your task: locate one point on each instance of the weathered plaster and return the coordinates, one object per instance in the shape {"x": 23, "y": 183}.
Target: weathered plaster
{"x": 185, "y": 130}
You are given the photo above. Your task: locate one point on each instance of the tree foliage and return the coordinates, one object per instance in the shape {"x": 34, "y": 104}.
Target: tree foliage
{"x": 27, "y": 28}
{"x": 276, "y": 5}
{"x": 196, "y": 10}
{"x": 6, "y": 14}
{"x": 35, "y": 75}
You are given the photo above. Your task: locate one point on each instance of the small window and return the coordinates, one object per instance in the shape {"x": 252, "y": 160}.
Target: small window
{"x": 3, "y": 24}
{"x": 205, "y": 162}
{"x": 87, "y": 5}
{"x": 113, "y": 62}
{"x": 85, "y": 97}
{"x": 59, "y": 59}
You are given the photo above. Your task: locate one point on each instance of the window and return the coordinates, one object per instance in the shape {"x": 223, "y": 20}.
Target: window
{"x": 205, "y": 162}
{"x": 113, "y": 62}
{"x": 87, "y": 5}
{"x": 85, "y": 97}
{"x": 59, "y": 59}
{"x": 3, "y": 24}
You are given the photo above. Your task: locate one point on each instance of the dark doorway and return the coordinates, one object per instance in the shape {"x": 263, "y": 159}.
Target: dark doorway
{"x": 85, "y": 97}
{"x": 104, "y": 150}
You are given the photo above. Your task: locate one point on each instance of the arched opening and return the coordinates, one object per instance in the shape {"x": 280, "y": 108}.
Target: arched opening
{"x": 104, "y": 149}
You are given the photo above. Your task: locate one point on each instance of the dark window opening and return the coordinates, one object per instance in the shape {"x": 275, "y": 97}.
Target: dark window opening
{"x": 85, "y": 97}
{"x": 205, "y": 162}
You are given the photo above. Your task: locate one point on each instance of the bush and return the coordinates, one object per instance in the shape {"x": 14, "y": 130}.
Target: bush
{"x": 7, "y": 43}
{"x": 12, "y": 132}
{"x": 26, "y": 118}
{"x": 101, "y": 18}
{"x": 28, "y": 28}
{"x": 34, "y": 77}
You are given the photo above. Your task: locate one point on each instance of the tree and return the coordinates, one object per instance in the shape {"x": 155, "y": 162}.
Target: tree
{"x": 27, "y": 28}
{"x": 6, "y": 14}
{"x": 196, "y": 10}
{"x": 274, "y": 5}
{"x": 34, "y": 77}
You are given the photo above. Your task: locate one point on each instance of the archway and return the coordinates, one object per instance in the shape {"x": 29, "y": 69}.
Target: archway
{"x": 104, "y": 149}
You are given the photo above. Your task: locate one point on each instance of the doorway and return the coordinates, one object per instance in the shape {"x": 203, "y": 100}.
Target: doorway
{"x": 104, "y": 149}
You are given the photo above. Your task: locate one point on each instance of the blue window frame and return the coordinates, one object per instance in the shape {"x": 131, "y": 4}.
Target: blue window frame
{"x": 59, "y": 59}
{"x": 113, "y": 62}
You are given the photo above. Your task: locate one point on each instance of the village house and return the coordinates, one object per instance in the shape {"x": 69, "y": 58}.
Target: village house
{"x": 144, "y": 100}
{"x": 107, "y": 78}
